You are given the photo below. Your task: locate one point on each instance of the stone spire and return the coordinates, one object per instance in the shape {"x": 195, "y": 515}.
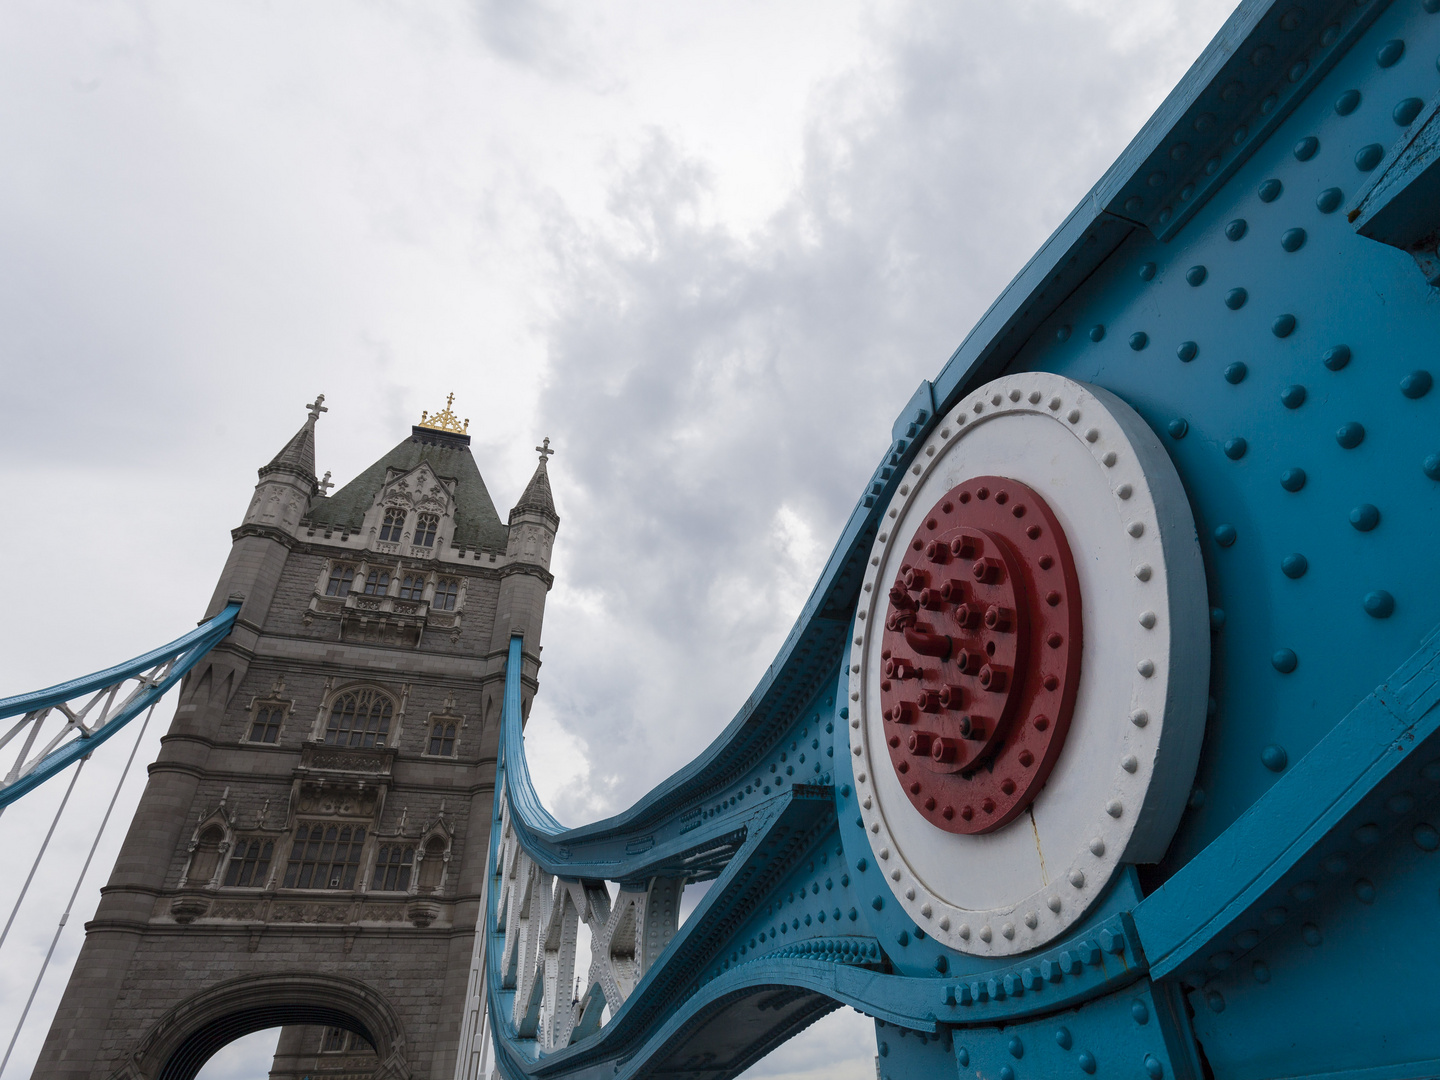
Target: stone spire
{"x": 298, "y": 455}
{"x": 536, "y": 497}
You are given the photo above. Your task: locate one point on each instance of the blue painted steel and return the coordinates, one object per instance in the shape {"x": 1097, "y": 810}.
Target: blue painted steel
{"x": 184, "y": 651}
{"x": 1287, "y": 360}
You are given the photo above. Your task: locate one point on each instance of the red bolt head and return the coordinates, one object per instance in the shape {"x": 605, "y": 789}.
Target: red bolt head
{"x": 914, "y": 578}
{"x": 919, "y": 742}
{"x": 952, "y": 697}
{"x": 970, "y": 661}
{"x": 898, "y": 667}
{"x": 967, "y": 546}
{"x": 937, "y": 552}
{"x": 973, "y": 727}
{"x": 969, "y": 616}
{"x": 987, "y": 570}
{"x": 943, "y": 750}
{"x": 933, "y": 599}
{"x": 993, "y": 678}
{"x": 903, "y": 712}
{"x": 930, "y": 700}
{"x": 999, "y": 618}
{"x": 953, "y": 591}
{"x": 898, "y": 620}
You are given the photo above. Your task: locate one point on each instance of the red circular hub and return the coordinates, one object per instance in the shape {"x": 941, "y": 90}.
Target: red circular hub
{"x": 981, "y": 655}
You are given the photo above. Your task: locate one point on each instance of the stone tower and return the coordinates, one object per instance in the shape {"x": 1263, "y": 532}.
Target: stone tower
{"x": 310, "y": 848}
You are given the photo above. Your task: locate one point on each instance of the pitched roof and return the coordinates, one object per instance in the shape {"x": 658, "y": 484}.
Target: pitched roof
{"x": 477, "y": 525}
{"x": 537, "y": 495}
{"x": 297, "y": 455}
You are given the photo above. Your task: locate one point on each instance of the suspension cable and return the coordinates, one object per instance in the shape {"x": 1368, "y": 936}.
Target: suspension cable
{"x": 41, "y": 853}
{"x": 65, "y": 917}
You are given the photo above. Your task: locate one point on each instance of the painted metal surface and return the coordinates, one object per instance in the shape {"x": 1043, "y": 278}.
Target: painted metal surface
{"x": 1246, "y": 296}
{"x": 58, "y": 726}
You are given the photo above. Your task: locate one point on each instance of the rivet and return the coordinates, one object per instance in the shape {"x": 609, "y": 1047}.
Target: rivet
{"x": 1247, "y": 940}
{"x": 1225, "y": 535}
{"x": 1347, "y": 102}
{"x": 1221, "y": 960}
{"x": 1007, "y": 1073}
{"x": 1270, "y": 190}
{"x": 1216, "y": 1001}
{"x": 1379, "y": 604}
{"x": 1063, "y": 1039}
{"x": 1350, "y": 435}
{"x": 1015, "y": 395}
{"x": 909, "y": 893}
{"x": 1077, "y": 879}
{"x": 1306, "y": 148}
{"x": 1235, "y": 373}
{"x": 1329, "y": 200}
{"x": 1187, "y": 351}
{"x": 1147, "y": 271}
{"x": 1283, "y": 326}
{"x": 1274, "y": 758}
{"x": 1304, "y": 892}
{"x": 1390, "y": 53}
{"x": 1034, "y": 397}
{"x": 1109, "y": 459}
{"x": 1365, "y": 891}
{"x": 1153, "y": 1068}
{"x": 1008, "y": 931}
{"x": 1406, "y": 110}
{"x": 1367, "y": 834}
{"x": 1284, "y": 660}
{"x": 1092, "y": 434}
{"x": 1134, "y": 204}
{"x": 1417, "y": 384}
{"x": 1217, "y": 618}
{"x": 1073, "y": 416}
{"x": 1292, "y": 479}
{"x": 985, "y": 933}
{"x": 1236, "y": 229}
{"x": 1147, "y": 619}
{"x": 1294, "y": 565}
{"x": 1124, "y": 491}
{"x": 1086, "y": 1061}
{"x": 1129, "y": 763}
{"x": 1054, "y": 403}
{"x": 1053, "y": 903}
{"x": 1310, "y": 933}
{"x": 944, "y": 922}
{"x": 1139, "y": 718}
{"x": 1032, "y": 920}
{"x": 1196, "y": 275}
{"x": 1097, "y": 846}
{"x": 1062, "y": 333}
{"x": 1368, "y": 156}
{"x": 1431, "y": 466}
{"x": 1146, "y": 668}
{"x": 1097, "y": 332}
{"x": 996, "y": 399}
{"x": 1365, "y": 517}
{"x": 1292, "y": 239}
{"x": 1235, "y": 448}
{"x": 1143, "y": 572}
{"x": 1235, "y": 299}
{"x": 1425, "y": 837}
{"x": 1337, "y": 357}
{"x": 1178, "y": 427}
{"x": 1274, "y": 916}
{"x": 1136, "y": 529}
{"x": 1293, "y": 396}
{"x": 1261, "y": 971}
{"x": 1114, "y": 808}
{"x": 963, "y": 1057}
{"x": 1016, "y": 1047}
{"x": 1139, "y": 340}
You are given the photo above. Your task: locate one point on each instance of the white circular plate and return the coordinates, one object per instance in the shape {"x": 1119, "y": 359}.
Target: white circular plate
{"x": 1122, "y": 779}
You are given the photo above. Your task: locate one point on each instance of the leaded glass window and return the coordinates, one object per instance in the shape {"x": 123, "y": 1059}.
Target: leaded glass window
{"x": 359, "y": 718}
{"x": 392, "y": 868}
{"x": 325, "y": 856}
{"x": 393, "y": 525}
{"x": 446, "y": 591}
{"x": 266, "y": 726}
{"x": 249, "y": 862}
{"x": 442, "y": 739}
{"x": 413, "y": 587}
{"x": 378, "y": 583}
{"x": 341, "y": 577}
{"x": 425, "y": 527}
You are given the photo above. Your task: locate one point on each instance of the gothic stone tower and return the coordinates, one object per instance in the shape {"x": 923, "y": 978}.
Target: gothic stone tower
{"x": 311, "y": 845}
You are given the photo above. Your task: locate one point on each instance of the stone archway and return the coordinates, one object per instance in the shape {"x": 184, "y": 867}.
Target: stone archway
{"x": 185, "y": 1037}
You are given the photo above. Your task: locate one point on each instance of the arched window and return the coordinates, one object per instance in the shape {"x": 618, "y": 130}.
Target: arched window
{"x": 446, "y": 590}
{"x": 325, "y": 856}
{"x": 341, "y": 577}
{"x": 250, "y": 862}
{"x": 442, "y": 739}
{"x": 433, "y": 867}
{"x": 392, "y": 868}
{"x": 425, "y": 526}
{"x": 206, "y": 857}
{"x": 266, "y": 727}
{"x": 378, "y": 583}
{"x": 413, "y": 587}
{"x": 359, "y": 718}
{"x": 393, "y": 525}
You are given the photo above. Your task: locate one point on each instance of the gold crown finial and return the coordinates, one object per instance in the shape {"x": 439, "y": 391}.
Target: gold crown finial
{"x": 445, "y": 420}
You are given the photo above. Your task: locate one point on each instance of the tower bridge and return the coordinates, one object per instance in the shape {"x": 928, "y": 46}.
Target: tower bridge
{"x": 1105, "y": 745}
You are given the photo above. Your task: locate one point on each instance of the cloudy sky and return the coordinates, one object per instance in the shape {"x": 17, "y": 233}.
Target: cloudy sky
{"x": 709, "y": 249}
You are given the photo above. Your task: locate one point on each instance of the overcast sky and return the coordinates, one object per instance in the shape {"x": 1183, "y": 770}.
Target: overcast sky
{"x": 708, "y": 249}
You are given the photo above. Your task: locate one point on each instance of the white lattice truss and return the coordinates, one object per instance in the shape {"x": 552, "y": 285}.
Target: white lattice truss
{"x": 538, "y": 915}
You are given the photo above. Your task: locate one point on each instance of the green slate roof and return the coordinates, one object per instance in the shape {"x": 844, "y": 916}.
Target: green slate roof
{"x": 477, "y": 525}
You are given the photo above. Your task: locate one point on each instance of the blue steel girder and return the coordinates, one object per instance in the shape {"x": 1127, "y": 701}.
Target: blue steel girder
{"x": 1211, "y": 282}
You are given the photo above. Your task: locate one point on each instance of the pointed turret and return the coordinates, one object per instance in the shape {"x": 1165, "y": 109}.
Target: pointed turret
{"x": 536, "y": 497}
{"x": 533, "y": 521}
{"x": 287, "y": 483}
{"x": 298, "y": 455}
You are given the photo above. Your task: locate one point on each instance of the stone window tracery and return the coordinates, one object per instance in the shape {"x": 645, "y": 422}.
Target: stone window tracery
{"x": 425, "y": 526}
{"x": 393, "y": 525}
{"x": 206, "y": 856}
{"x": 412, "y": 587}
{"x": 249, "y": 863}
{"x": 446, "y": 591}
{"x": 359, "y": 718}
{"x": 432, "y": 865}
{"x": 325, "y": 856}
{"x": 378, "y": 583}
{"x": 392, "y": 868}
{"x": 442, "y": 739}
{"x": 341, "y": 578}
{"x": 265, "y": 728}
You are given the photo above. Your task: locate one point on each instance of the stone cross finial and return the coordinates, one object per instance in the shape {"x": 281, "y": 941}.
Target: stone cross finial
{"x": 317, "y": 406}
{"x": 326, "y": 483}
{"x": 545, "y": 451}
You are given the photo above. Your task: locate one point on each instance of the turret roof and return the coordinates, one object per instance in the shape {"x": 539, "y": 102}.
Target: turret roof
{"x": 537, "y": 496}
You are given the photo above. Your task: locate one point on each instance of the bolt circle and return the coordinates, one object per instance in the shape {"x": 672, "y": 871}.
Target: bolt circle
{"x": 982, "y": 640}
